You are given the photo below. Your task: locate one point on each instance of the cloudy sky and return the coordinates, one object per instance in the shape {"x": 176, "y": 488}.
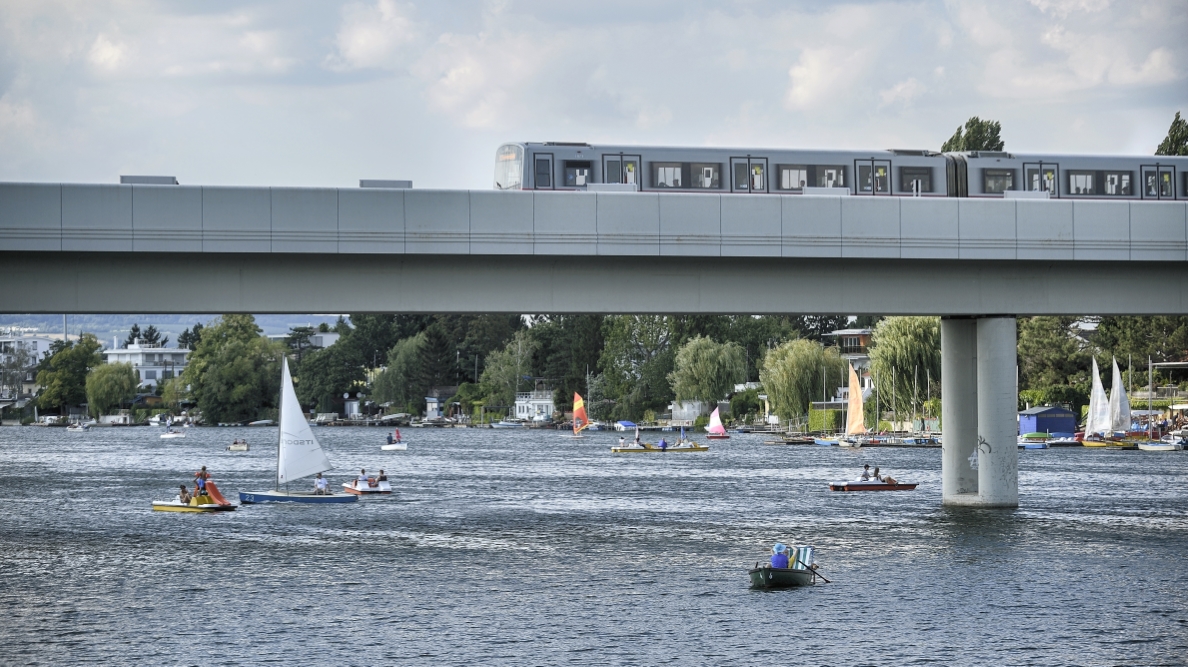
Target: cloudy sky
{"x": 289, "y": 92}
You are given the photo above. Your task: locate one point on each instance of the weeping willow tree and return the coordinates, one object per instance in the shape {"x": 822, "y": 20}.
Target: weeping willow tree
{"x": 798, "y": 372}
{"x": 707, "y": 371}
{"x": 905, "y": 356}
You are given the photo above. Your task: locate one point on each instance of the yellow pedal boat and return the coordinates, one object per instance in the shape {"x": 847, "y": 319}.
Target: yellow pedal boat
{"x": 650, "y": 448}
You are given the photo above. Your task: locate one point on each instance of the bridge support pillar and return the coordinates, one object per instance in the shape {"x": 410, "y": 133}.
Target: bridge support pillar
{"x": 978, "y": 403}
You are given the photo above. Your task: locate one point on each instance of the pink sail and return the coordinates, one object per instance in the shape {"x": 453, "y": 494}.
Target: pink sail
{"x": 715, "y": 424}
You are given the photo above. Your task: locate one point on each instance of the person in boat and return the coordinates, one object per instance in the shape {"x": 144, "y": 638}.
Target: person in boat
{"x": 396, "y": 435}
{"x": 663, "y": 443}
{"x": 865, "y": 473}
{"x": 779, "y": 555}
{"x": 876, "y": 474}
{"x": 361, "y": 481}
{"x": 321, "y": 486}
{"x": 622, "y": 441}
{"x": 200, "y": 478}
{"x": 382, "y": 477}
{"x": 184, "y": 495}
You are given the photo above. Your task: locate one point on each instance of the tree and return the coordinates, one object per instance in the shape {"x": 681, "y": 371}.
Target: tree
{"x": 637, "y": 357}
{"x": 173, "y": 391}
{"x": 324, "y": 375}
{"x": 507, "y": 368}
{"x": 707, "y": 371}
{"x": 1176, "y": 141}
{"x": 133, "y": 335}
{"x": 569, "y": 349}
{"x": 814, "y": 327}
{"x": 297, "y": 340}
{"x": 799, "y": 372}
{"x": 906, "y": 355}
{"x": 234, "y": 373}
{"x": 1049, "y": 353}
{"x": 109, "y": 386}
{"x": 1163, "y": 338}
{"x": 399, "y": 383}
{"x": 980, "y": 135}
{"x": 153, "y": 337}
{"x": 63, "y": 375}
{"x": 189, "y": 339}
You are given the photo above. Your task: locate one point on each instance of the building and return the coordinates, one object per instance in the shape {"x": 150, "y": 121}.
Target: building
{"x": 854, "y": 346}
{"x": 1047, "y": 419}
{"x": 19, "y": 356}
{"x": 317, "y": 340}
{"x": 152, "y": 363}
{"x": 536, "y": 405}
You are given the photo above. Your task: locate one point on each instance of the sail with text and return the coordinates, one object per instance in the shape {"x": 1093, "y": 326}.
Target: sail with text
{"x": 580, "y": 419}
{"x": 298, "y": 453}
{"x": 855, "y": 420}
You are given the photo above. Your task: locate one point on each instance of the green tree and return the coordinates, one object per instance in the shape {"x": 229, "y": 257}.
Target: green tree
{"x": 1176, "y": 141}
{"x": 188, "y": 339}
{"x": 109, "y": 386}
{"x": 507, "y": 368}
{"x": 297, "y": 340}
{"x": 325, "y": 375}
{"x": 1163, "y": 338}
{"x": 798, "y": 372}
{"x": 636, "y": 359}
{"x": 153, "y": 337}
{"x": 133, "y": 335}
{"x": 400, "y": 382}
{"x": 904, "y": 356}
{"x": 979, "y": 135}
{"x": 570, "y": 346}
{"x": 234, "y": 374}
{"x": 63, "y": 375}
{"x": 707, "y": 371}
{"x": 1049, "y": 353}
{"x": 173, "y": 391}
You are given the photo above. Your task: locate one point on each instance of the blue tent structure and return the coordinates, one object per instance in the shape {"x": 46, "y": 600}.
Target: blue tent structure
{"x": 1047, "y": 419}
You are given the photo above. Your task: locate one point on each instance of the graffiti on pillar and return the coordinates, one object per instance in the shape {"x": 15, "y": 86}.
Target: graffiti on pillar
{"x": 973, "y": 458}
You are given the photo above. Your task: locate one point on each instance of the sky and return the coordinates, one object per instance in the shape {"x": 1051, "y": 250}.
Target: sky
{"x": 300, "y": 93}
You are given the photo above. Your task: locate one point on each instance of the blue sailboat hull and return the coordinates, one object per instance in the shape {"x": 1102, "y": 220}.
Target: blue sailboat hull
{"x": 248, "y": 498}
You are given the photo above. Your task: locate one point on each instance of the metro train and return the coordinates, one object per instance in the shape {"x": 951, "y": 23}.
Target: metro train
{"x": 913, "y": 173}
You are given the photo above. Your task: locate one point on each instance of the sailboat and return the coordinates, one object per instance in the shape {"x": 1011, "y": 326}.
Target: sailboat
{"x": 581, "y": 421}
{"x": 1119, "y": 403}
{"x": 855, "y": 419}
{"x": 1097, "y": 422}
{"x": 715, "y": 428}
{"x": 298, "y": 454}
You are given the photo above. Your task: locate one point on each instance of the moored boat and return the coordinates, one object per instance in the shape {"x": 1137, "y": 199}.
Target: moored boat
{"x": 1161, "y": 446}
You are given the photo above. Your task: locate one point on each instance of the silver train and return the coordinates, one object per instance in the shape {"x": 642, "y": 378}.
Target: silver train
{"x": 919, "y": 173}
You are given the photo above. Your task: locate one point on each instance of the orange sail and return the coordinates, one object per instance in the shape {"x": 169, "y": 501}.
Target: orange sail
{"x": 855, "y": 423}
{"x": 580, "y": 420}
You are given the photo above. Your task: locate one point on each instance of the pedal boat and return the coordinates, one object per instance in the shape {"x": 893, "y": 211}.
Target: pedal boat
{"x": 197, "y": 504}
{"x": 651, "y": 448}
{"x": 372, "y": 487}
{"x": 871, "y": 485}
{"x": 172, "y": 434}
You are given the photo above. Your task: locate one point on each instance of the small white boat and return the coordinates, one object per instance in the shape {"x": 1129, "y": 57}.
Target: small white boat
{"x": 508, "y": 423}
{"x": 394, "y": 447}
{"x": 371, "y": 486}
{"x": 237, "y": 447}
{"x": 1161, "y": 445}
{"x": 172, "y": 433}
{"x": 78, "y": 428}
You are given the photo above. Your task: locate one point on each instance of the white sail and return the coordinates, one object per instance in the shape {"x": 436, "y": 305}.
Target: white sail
{"x": 299, "y": 454}
{"x": 1119, "y": 403}
{"x": 1098, "y": 419}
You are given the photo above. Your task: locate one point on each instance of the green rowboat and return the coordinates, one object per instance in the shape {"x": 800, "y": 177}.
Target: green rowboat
{"x": 778, "y": 577}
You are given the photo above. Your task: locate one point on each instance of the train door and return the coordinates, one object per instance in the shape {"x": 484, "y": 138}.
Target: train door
{"x": 1159, "y": 181}
{"x": 542, "y": 171}
{"x": 874, "y": 177}
{"x": 621, "y": 169}
{"x": 748, "y": 174}
{"x": 1040, "y": 177}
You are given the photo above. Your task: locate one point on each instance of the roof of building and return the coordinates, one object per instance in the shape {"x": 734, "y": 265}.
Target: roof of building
{"x": 850, "y": 332}
{"x": 1045, "y": 409}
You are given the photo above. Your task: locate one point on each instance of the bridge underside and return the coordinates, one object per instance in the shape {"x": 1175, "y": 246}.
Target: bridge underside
{"x": 65, "y": 282}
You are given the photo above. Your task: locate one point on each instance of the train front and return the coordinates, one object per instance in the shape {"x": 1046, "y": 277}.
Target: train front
{"x": 509, "y": 167}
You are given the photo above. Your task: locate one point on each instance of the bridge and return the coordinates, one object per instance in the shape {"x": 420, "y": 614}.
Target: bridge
{"x": 88, "y": 248}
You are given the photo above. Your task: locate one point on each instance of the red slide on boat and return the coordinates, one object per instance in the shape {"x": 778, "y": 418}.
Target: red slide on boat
{"x": 213, "y": 492}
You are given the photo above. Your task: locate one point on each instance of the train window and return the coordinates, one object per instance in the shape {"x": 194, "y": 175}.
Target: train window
{"x": 544, "y": 169}
{"x": 1081, "y": 183}
{"x": 577, "y": 173}
{"x": 1117, "y": 183}
{"x": 873, "y": 178}
{"x": 997, "y": 181}
{"x": 793, "y": 177}
{"x": 831, "y": 177}
{"x": 614, "y": 173}
{"x": 749, "y": 176}
{"x": 509, "y": 167}
{"x": 915, "y": 179}
{"x": 666, "y": 175}
{"x": 1158, "y": 185}
{"x": 621, "y": 169}
{"x": 1042, "y": 178}
{"x": 706, "y": 176}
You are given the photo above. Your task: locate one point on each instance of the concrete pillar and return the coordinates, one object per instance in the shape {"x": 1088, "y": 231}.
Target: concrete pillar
{"x": 959, "y": 410}
{"x": 998, "y": 458}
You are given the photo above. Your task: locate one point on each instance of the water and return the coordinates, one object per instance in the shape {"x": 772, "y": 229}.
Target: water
{"x": 505, "y": 547}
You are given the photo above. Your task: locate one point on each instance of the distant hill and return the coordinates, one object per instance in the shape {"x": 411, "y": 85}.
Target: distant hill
{"x": 107, "y": 326}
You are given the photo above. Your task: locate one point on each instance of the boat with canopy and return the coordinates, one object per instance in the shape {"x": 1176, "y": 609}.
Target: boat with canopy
{"x": 298, "y": 454}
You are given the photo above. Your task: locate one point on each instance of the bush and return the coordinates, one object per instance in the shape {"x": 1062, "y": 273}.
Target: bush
{"x": 825, "y": 420}
{"x": 700, "y": 423}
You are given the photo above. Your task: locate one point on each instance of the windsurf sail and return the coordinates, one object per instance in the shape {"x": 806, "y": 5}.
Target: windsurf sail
{"x": 855, "y": 420}
{"x": 580, "y": 419}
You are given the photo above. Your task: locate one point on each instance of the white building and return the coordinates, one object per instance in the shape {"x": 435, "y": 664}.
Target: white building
{"x": 17, "y": 382}
{"x": 152, "y": 363}
{"x": 536, "y": 405}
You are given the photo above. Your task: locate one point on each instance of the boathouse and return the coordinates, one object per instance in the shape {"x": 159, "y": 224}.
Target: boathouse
{"x": 1047, "y": 419}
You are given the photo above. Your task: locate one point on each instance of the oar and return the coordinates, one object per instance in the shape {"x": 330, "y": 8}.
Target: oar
{"x": 813, "y": 571}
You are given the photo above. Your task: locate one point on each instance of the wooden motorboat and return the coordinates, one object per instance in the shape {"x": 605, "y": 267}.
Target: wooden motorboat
{"x": 871, "y": 485}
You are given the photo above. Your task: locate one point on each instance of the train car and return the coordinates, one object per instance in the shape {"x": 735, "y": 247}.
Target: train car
{"x": 912, "y": 173}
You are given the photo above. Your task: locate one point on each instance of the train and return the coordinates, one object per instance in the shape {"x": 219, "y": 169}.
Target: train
{"x": 895, "y": 172}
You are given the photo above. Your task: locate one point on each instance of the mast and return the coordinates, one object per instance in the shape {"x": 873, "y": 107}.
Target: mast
{"x": 1150, "y": 388}
{"x": 280, "y": 422}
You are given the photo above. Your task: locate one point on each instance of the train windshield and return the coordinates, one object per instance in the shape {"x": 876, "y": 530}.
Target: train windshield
{"x": 509, "y": 167}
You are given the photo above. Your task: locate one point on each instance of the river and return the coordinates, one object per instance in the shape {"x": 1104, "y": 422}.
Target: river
{"x": 524, "y": 548}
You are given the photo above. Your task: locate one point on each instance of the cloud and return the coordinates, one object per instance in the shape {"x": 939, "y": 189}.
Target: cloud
{"x": 373, "y": 36}
{"x": 106, "y": 54}
{"x": 903, "y": 92}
